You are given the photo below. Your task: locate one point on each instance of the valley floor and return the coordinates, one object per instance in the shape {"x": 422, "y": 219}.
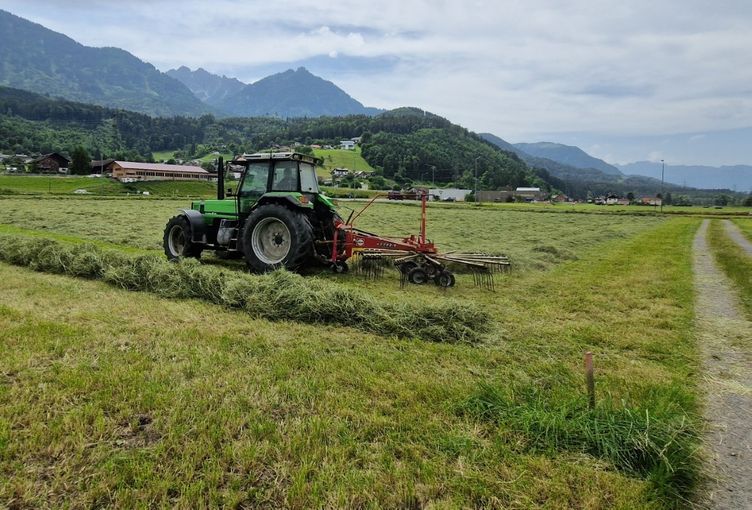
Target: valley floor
{"x": 111, "y": 397}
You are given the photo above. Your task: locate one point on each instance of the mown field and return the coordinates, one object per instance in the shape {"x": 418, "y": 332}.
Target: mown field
{"x": 24, "y": 184}
{"x": 112, "y": 397}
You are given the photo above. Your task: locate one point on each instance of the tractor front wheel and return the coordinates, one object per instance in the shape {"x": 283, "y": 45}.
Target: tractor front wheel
{"x": 275, "y": 236}
{"x": 177, "y": 239}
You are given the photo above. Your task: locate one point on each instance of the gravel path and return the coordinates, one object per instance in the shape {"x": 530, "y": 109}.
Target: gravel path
{"x": 725, "y": 339}
{"x": 734, "y": 233}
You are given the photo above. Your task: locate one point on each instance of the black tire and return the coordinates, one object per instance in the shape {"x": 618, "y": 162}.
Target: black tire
{"x": 408, "y": 266}
{"x": 340, "y": 267}
{"x": 275, "y": 236}
{"x": 177, "y": 239}
{"x": 444, "y": 279}
{"x": 417, "y": 276}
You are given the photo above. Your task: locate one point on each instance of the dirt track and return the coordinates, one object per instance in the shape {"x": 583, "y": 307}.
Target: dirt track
{"x": 725, "y": 339}
{"x": 734, "y": 233}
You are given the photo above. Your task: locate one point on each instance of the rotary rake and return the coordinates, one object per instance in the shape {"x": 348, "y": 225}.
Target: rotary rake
{"x": 416, "y": 257}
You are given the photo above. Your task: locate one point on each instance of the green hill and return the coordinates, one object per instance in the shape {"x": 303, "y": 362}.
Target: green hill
{"x": 37, "y": 59}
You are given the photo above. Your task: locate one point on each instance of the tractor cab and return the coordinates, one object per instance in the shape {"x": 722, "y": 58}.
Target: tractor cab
{"x": 282, "y": 175}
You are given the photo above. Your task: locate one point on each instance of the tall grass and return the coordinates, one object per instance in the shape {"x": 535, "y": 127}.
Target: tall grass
{"x": 657, "y": 442}
{"x": 276, "y": 296}
{"x": 734, "y": 261}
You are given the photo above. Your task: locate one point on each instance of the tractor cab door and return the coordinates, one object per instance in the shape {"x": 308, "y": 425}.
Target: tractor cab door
{"x": 255, "y": 182}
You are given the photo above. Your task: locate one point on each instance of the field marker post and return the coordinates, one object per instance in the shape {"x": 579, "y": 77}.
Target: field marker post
{"x": 590, "y": 379}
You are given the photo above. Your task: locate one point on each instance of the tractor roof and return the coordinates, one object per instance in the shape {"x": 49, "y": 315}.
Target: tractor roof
{"x": 267, "y": 156}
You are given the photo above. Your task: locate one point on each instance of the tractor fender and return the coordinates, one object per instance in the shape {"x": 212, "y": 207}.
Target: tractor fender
{"x": 198, "y": 226}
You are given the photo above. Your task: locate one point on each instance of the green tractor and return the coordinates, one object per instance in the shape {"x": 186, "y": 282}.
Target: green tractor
{"x": 276, "y": 217}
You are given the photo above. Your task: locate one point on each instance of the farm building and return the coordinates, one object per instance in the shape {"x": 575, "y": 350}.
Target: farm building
{"x": 129, "y": 171}
{"x": 530, "y": 193}
{"x": 347, "y": 144}
{"x": 651, "y": 201}
{"x": 52, "y": 163}
{"x": 495, "y": 196}
{"x": 101, "y": 166}
{"x": 449, "y": 194}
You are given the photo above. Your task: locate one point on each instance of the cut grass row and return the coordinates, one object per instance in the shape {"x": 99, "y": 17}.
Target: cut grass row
{"x": 735, "y": 262}
{"x": 149, "y": 401}
{"x": 277, "y": 296}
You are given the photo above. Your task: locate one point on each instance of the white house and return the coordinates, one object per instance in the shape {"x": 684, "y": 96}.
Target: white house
{"x": 347, "y": 145}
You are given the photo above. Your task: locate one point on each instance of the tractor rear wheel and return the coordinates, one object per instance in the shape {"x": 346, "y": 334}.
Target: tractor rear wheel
{"x": 275, "y": 236}
{"x": 177, "y": 239}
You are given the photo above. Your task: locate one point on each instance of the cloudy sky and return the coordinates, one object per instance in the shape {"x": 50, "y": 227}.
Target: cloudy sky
{"x": 624, "y": 80}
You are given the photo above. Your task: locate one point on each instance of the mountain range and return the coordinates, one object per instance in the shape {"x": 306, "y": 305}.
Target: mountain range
{"x": 736, "y": 177}
{"x": 292, "y": 93}
{"x": 207, "y": 87}
{"x": 37, "y": 59}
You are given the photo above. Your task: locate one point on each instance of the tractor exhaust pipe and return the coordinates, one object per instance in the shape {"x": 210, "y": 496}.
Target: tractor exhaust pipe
{"x": 220, "y": 178}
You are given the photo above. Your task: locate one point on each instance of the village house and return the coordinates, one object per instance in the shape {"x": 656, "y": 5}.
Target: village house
{"x": 128, "y": 171}
{"x": 338, "y": 173}
{"x": 655, "y": 201}
{"x": 52, "y": 163}
{"x": 347, "y": 145}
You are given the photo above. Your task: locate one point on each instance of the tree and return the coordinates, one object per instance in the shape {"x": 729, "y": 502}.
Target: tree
{"x": 630, "y": 196}
{"x": 722, "y": 200}
{"x": 668, "y": 199}
{"x": 748, "y": 201}
{"x": 80, "y": 161}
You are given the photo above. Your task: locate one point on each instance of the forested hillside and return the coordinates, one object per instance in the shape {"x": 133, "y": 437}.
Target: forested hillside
{"x": 403, "y": 144}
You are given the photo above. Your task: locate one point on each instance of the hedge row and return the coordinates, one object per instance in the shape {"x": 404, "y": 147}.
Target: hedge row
{"x": 275, "y": 296}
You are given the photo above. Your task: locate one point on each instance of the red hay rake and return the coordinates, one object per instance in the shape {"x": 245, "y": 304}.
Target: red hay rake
{"x": 416, "y": 257}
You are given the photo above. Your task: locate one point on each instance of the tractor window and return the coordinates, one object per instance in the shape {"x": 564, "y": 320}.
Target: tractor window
{"x": 308, "y": 181}
{"x": 285, "y": 176}
{"x": 256, "y": 177}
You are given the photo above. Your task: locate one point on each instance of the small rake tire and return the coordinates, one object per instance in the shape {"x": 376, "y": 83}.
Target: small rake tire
{"x": 417, "y": 276}
{"x": 444, "y": 279}
{"x": 177, "y": 241}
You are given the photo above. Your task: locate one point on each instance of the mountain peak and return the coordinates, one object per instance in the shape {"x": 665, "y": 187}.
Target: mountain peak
{"x": 293, "y": 93}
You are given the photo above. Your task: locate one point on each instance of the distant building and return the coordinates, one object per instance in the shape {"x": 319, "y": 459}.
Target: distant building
{"x": 651, "y": 201}
{"x": 338, "y": 173}
{"x": 101, "y": 166}
{"x": 449, "y": 194}
{"x": 347, "y": 145}
{"x": 495, "y": 196}
{"x": 127, "y": 171}
{"x": 530, "y": 194}
{"x": 561, "y": 197}
{"x": 52, "y": 163}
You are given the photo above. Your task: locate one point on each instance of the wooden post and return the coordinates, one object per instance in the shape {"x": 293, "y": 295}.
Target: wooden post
{"x": 590, "y": 379}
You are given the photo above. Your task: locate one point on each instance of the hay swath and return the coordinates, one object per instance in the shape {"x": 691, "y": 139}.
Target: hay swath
{"x": 416, "y": 257}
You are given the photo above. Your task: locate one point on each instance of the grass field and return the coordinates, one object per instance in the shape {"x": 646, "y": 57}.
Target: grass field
{"x": 16, "y": 184}
{"x": 531, "y": 240}
{"x": 336, "y": 158}
{"x": 109, "y": 397}
{"x": 734, "y": 261}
